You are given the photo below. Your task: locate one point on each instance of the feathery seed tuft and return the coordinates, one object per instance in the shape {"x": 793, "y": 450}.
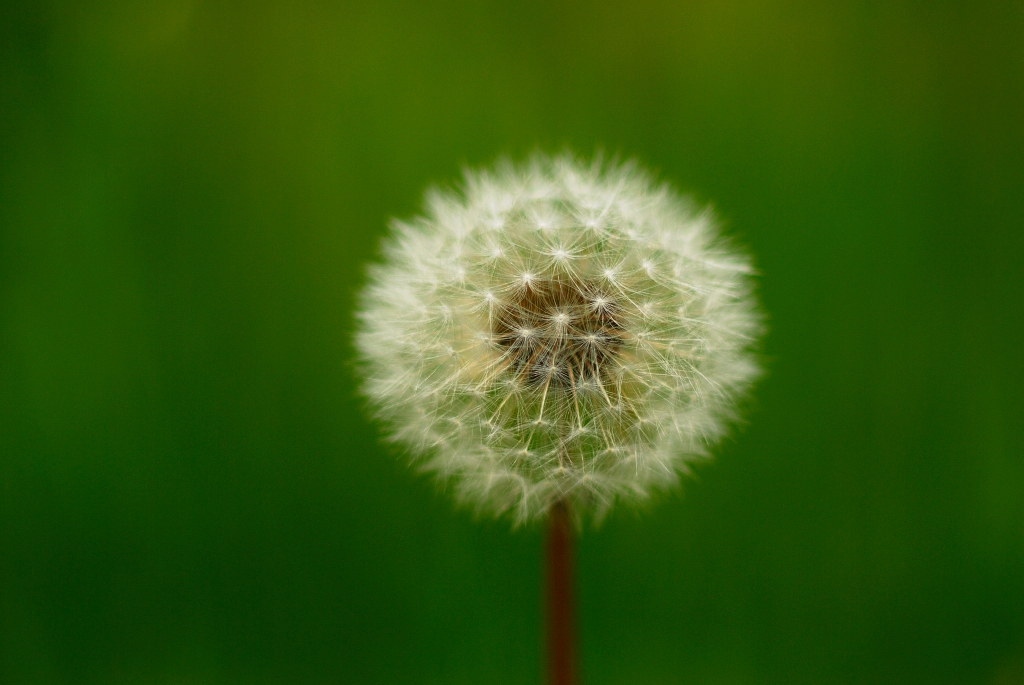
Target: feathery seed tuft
{"x": 558, "y": 331}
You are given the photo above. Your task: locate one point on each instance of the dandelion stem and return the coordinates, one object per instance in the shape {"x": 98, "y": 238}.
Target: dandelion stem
{"x": 561, "y": 628}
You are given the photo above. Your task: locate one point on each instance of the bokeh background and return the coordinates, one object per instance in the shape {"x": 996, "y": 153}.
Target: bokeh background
{"x": 190, "y": 491}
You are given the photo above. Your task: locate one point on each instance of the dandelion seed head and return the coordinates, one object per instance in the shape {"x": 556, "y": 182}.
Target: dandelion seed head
{"x": 558, "y": 331}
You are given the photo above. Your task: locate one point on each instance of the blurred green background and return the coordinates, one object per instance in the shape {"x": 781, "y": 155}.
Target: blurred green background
{"x": 190, "y": 491}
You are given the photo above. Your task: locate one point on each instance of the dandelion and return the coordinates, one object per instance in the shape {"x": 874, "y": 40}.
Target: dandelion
{"x": 558, "y": 333}
{"x": 555, "y": 338}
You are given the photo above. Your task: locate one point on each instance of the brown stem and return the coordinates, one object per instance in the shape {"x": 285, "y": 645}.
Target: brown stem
{"x": 561, "y": 636}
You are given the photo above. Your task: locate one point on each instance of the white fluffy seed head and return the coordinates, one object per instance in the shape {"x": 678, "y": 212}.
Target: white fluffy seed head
{"x": 558, "y": 331}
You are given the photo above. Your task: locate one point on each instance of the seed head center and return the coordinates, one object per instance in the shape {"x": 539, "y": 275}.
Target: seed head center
{"x": 557, "y": 333}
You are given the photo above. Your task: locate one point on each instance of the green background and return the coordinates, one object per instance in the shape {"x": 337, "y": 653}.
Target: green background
{"x": 190, "y": 491}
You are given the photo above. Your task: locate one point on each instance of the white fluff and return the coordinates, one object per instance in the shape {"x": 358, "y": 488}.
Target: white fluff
{"x": 557, "y": 330}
